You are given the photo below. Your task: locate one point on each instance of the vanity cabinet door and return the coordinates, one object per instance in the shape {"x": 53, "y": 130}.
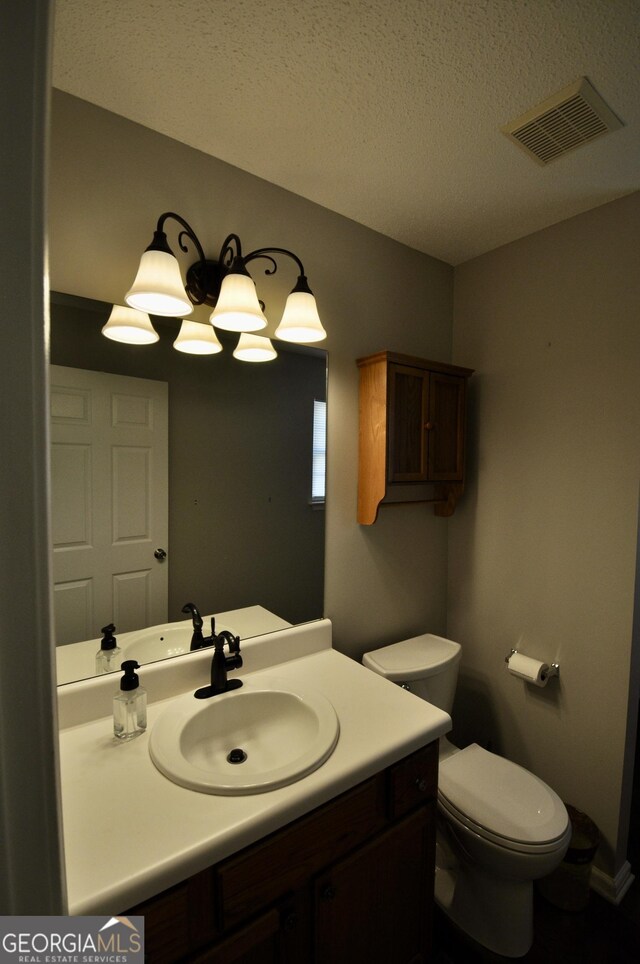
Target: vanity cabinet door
{"x": 257, "y": 943}
{"x": 413, "y": 781}
{"x": 166, "y": 925}
{"x": 375, "y": 905}
{"x": 280, "y": 936}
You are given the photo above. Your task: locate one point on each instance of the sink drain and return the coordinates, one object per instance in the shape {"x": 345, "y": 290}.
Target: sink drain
{"x": 236, "y": 756}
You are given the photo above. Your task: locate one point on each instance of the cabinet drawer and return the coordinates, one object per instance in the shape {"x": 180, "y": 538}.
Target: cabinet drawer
{"x": 285, "y": 860}
{"x": 414, "y": 780}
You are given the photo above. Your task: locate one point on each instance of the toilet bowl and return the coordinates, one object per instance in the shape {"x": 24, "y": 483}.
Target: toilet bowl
{"x": 499, "y": 826}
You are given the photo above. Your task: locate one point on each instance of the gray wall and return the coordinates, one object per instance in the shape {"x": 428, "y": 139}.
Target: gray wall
{"x": 111, "y": 179}
{"x": 242, "y": 530}
{"x": 543, "y": 549}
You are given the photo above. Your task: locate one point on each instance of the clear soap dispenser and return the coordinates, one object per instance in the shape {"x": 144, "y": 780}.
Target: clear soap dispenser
{"x": 129, "y": 704}
{"x": 109, "y": 654}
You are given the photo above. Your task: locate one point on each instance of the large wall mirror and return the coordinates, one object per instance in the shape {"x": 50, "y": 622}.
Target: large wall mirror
{"x": 243, "y": 527}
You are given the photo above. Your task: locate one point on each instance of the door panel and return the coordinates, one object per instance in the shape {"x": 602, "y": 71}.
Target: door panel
{"x": 109, "y": 468}
{"x": 71, "y": 495}
{"x": 131, "y": 494}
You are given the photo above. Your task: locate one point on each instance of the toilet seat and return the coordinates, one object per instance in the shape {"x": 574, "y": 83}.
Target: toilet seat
{"x": 501, "y": 801}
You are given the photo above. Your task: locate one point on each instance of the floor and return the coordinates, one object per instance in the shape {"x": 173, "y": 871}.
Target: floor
{"x": 601, "y": 934}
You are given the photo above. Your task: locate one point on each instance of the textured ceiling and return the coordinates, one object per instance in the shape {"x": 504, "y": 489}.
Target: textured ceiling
{"x": 386, "y": 111}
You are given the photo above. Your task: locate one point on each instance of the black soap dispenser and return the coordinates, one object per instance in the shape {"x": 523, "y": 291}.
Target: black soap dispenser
{"x": 129, "y": 704}
{"x": 109, "y": 655}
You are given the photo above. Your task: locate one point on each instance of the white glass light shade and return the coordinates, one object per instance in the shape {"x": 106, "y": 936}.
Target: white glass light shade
{"x": 238, "y": 308}
{"x": 254, "y": 348}
{"x": 300, "y": 320}
{"x": 196, "y": 338}
{"x": 130, "y": 326}
{"x": 158, "y": 286}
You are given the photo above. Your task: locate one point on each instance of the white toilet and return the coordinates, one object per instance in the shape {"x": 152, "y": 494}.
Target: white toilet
{"x": 499, "y": 827}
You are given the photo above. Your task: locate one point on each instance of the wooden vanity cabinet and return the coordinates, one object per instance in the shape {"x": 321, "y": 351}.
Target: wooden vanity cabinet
{"x": 411, "y": 441}
{"x": 351, "y": 881}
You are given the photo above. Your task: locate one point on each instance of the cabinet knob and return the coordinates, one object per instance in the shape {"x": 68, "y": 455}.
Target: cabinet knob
{"x": 422, "y": 785}
{"x": 428, "y": 426}
{"x": 290, "y": 921}
{"x": 328, "y": 892}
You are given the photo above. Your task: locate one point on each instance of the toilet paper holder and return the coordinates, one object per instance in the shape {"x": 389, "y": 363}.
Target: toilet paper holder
{"x": 553, "y": 670}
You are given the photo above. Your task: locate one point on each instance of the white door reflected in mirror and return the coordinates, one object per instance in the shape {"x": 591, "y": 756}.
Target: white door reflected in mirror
{"x": 109, "y": 480}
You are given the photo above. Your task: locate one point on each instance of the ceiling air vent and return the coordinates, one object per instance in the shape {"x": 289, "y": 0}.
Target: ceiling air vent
{"x": 572, "y": 117}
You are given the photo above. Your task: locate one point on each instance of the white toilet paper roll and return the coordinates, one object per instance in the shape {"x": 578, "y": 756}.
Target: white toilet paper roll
{"x": 532, "y": 670}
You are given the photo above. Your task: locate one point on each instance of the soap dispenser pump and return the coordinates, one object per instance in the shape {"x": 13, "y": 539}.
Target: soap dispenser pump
{"x": 108, "y": 656}
{"x": 129, "y": 704}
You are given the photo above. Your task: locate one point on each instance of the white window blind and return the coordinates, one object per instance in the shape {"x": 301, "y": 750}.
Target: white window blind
{"x": 319, "y": 461}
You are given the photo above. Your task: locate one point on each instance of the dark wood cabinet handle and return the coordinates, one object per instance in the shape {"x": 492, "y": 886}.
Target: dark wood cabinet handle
{"x": 328, "y": 892}
{"x": 422, "y": 785}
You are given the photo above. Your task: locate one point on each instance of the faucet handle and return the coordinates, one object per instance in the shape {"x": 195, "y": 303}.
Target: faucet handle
{"x": 196, "y": 618}
{"x": 234, "y": 659}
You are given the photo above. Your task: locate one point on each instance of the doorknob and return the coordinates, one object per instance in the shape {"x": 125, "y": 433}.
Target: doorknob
{"x": 160, "y": 555}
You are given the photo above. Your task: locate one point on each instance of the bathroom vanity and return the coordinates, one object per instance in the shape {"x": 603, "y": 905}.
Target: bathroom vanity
{"x": 337, "y": 866}
{"x": 351, "y": 881}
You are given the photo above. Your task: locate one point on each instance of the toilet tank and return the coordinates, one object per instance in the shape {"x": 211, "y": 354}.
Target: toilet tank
{"x": 426, "y": 665}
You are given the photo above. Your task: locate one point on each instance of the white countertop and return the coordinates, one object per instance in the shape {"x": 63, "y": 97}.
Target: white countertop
{"x": 130, "y": 833}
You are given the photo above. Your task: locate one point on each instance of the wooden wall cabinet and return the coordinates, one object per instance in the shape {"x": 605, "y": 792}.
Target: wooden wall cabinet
{"x": 412, "y": 433}
{"x": 351, "y": 881}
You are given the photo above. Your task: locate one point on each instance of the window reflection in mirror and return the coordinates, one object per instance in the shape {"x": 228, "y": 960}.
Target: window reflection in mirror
{"x": 319, "y": 451}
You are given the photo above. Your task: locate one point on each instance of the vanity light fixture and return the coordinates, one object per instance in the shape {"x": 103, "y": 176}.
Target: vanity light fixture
{"x": 195, "y": 338}
{"x": 254, "y": 348}
{"x": 224, "y": 284}
{"x": 130, "y": 326}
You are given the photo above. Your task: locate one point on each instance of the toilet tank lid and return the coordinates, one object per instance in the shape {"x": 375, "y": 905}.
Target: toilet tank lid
{"x": 414, "y": 658}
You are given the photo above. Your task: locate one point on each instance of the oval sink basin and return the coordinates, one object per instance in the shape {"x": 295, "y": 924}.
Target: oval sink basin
{"x": 161, "y": 642}
{"x": 250, "y": 740}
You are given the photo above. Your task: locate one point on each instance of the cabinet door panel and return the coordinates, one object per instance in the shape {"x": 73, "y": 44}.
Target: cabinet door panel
{"x": 257, "y": 943}
{"x": 446, "y": 418}
{"x": 166, "y": 929}
{"x": 375, "y": 906}
{"x": 413, "y": 781}
{"x": 408, "y": 389}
